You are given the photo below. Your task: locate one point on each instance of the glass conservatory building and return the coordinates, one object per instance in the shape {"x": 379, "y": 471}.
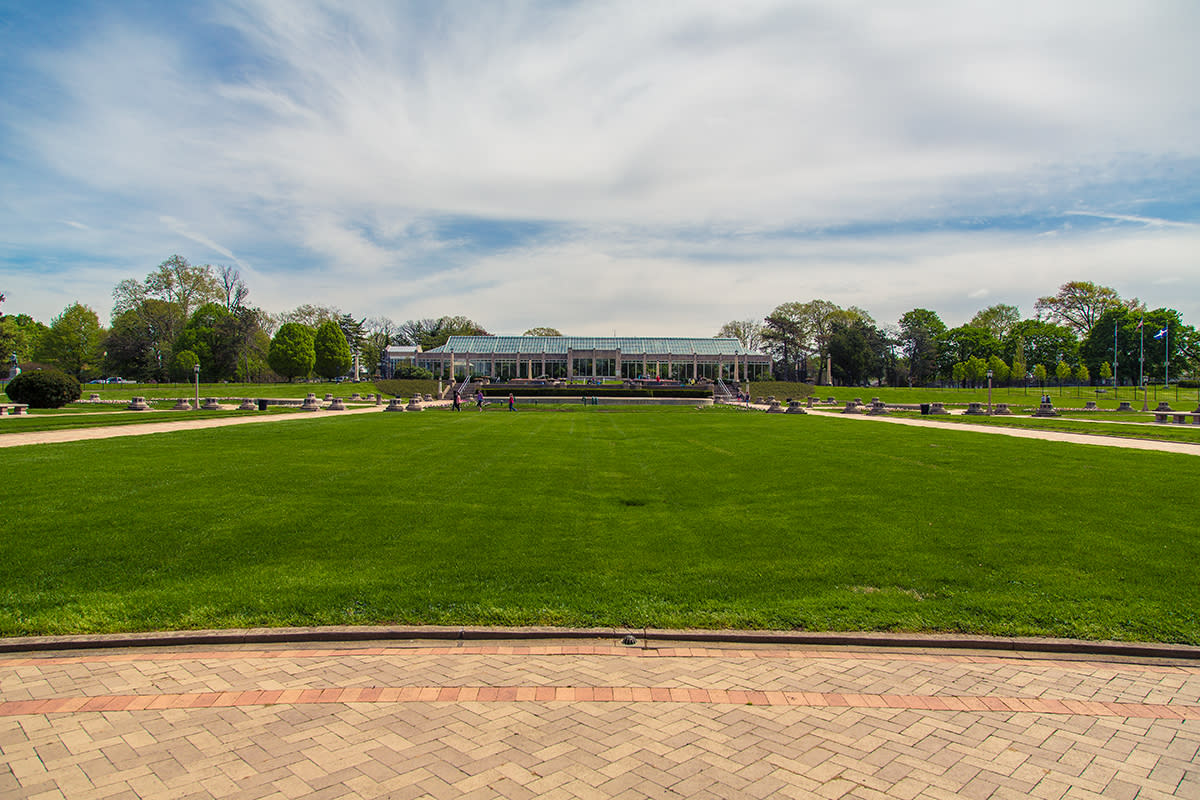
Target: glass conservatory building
{"x": 601, "y": 357}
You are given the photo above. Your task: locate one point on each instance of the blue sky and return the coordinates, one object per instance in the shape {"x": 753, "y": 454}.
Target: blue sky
{"x": 644, "y": 168}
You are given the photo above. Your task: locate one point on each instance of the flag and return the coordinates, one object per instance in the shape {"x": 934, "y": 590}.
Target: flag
{"x": 1161, "y": 334}
{"x": 1140, "y": 321}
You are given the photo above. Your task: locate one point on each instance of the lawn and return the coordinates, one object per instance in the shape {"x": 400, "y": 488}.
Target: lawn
{"x": 1016, "y": 396}
{"x": 599, "y": 517}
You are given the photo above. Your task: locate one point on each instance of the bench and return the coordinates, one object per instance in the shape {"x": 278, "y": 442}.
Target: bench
{"x": 14, "y": 409}
{"x": 1179, "y": 417}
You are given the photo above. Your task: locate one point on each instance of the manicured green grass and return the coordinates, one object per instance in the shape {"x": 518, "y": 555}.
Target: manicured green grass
{"x": 1018, "y": 397}
{"x": 1103, "y": 424}
{"x": 718, "y": 518}
{"x": 117, "y": 416}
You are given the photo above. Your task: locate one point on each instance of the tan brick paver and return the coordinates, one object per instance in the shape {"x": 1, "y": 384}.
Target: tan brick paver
{"x": 580, "y": 721}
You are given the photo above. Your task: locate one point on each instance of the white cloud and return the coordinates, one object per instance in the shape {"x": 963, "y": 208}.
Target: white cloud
{"x": 669, "y": 141}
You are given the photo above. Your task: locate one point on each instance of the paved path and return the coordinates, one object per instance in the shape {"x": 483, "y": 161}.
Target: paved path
{"x": 161, "y": 426}
{"x": 1188, "y": 448}
{"x": 408, "y": 719}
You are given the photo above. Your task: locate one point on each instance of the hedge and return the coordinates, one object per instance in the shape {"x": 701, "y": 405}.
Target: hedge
{"x": 595, "y": 391}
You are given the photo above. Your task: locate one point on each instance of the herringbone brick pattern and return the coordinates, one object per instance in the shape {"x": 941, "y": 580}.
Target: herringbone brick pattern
{"x": 593, "y": 722}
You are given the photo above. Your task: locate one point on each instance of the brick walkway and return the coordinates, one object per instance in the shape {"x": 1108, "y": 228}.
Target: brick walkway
{"x": 555, "y": 720}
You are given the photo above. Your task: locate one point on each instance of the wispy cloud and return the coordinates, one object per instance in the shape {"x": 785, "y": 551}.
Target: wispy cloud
{"x": 513, "y": 160}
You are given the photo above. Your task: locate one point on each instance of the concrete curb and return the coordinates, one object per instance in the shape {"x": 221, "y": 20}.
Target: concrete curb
{"x": 865, "y": 639}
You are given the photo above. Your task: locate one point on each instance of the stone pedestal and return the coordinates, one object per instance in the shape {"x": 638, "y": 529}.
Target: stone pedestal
{"x": 810, "y": 402}
{"x": 414, "y": 404}
{"x": 181, "y": 405}
{"x": 395, "y": 404}
{"x": 1163, "y": 406}
{"x": 356, "y": 397}
{"x": 976, "y": 410}
{"x": 1001, "y": 409}
{"x": 93, "y": 398}
{"x": 858, "y": 401}
{"x": 328, "y": 397}
{"x": 211, "y": 404}
{"x": 378, "y": 399}
{"x": 831, "y": 401}
{"x": 336, "y": 404}
{"x": 851, "y": 408}
{"x": 1124, "y": 406}
{"x": 1090, "y": 405}
{"x": 775, "y": 407}
{"x": 247, "y": 405}
{"x": 310, "y": 403}
{"x": 138, "y": 404}
{"x": 794, "y": 407}
{"x": 1045, "y": 410}
{"x": 428, "y": 398}
{"x": 937, "y": 408}
{"x": 878, "y": 408}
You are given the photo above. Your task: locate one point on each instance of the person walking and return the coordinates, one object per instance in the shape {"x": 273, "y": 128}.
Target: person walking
{"x": 457, "y": 401}
{"x": 479, "y": 399}
{"x": 512, "y": 402}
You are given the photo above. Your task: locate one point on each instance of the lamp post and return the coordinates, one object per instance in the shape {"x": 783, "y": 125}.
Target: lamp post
{"x": 197, "y": 371}
{"x": 989, "y": 374}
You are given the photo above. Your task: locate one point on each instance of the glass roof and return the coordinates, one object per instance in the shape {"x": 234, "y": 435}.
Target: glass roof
{"x": 628, "y": 345}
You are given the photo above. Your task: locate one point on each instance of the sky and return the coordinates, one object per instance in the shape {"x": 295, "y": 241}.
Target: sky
{"x": 637, "y": 168}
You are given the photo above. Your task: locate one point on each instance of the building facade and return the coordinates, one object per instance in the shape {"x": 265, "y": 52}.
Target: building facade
{"x": 577, "y": 357}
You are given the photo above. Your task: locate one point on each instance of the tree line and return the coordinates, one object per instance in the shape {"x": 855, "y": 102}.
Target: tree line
{"x": 1083, "y": 332}
{"x": 184, "y": 315}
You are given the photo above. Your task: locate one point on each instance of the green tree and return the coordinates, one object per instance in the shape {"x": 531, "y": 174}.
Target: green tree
{"x": 74, "y": 342}
{"x": 542, "y": 332}
{"x": 212, "y": 335}
{"x": 976, "y": 370}
{"x": 1041, "y": 342}
{"x": 1180, "y": 345}
{"x": 292, "y": 353}
{"x": 20, "y": 334}
{"x": 1039, "y": 374}
{"x": 850, "y": 348}
{"x": 788, "y": 337}
{"x": 1063, "y": 372}
{"x": 998, "y": 320}
{"x": 1000, "y": 370}
{"x": 1106, "y": 372}
{"x": 962, "y": 343}
{"x": 1083, "y": 375}
{"x": 332, "y": 352}
{"x": 431, "y": 333}
{"x": 1080, "y": 304}
{"x": 919, "y": 330}
{"x": 183, "y": 366}
{"x": 959, "y": 373}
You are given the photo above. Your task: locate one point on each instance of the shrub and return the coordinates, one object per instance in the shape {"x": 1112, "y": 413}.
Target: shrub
{"x": 45, "y": 388}
{"x": 410, "y": 372}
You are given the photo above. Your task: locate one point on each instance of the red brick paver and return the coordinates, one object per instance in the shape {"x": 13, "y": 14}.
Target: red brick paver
{"x": 593, "y": 721}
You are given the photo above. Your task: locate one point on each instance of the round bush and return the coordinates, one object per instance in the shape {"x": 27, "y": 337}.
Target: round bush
{"x": 44, "y": 388}
{"x": 410, "y": 372}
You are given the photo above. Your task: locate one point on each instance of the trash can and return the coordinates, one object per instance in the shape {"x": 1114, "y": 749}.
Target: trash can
{"x": 262, "y": 404}
{"x": 925, "y": 409}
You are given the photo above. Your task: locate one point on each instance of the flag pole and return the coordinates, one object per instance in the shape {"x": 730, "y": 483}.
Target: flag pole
{"x": 1142, "y": 362}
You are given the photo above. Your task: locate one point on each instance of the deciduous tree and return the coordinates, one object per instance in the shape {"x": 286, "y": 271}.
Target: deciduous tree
{"x": 1080, "y": 304}
{"x": 74, "y": 341}
{"x": 919, "y": 330}
{"x": 998, "y": 319}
